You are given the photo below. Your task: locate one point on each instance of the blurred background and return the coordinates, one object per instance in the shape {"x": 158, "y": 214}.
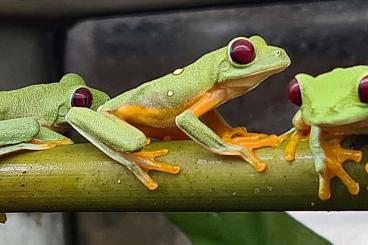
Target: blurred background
{"x": 117, "y": 45}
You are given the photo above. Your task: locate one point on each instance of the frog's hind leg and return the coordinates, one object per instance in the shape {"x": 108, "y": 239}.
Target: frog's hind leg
{"x": 121, "y": 142}
{"x": 48, "y": 136}
{"x": 17, "y": 134}
{"x": 4, "y": 150}
{"x": 329, "y": 158}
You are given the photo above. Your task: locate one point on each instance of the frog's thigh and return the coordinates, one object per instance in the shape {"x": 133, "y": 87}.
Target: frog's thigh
{"x": 17, "y": 134}
{"x": 106, "y": 129}
{"x": 18, "y": 130}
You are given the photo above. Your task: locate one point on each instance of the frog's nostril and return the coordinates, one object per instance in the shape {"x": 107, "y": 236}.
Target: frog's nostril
{"x": 278, "y": 53}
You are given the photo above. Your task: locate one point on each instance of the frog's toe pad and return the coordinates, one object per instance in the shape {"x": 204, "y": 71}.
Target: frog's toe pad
{"x": 146, "y": 160}
{"x": 335, "y": 157}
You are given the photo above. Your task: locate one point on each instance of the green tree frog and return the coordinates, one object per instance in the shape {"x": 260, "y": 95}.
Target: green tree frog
{"x": 332, "y": 106}
{"x": 32, "y": 117}
{"x": 182, "y": 105}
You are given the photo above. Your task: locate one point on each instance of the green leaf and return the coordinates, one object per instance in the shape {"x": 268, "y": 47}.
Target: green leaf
{"x": 244, "y": 228}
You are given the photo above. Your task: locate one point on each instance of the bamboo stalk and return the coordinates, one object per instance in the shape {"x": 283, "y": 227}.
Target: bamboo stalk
{"x": 81, "y": 178}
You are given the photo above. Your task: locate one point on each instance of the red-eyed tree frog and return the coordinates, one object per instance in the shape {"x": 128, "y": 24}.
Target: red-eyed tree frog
{"x": 332, "y": 106}
{"x": 32, "y": 117}
{"x": 181, "y": 105}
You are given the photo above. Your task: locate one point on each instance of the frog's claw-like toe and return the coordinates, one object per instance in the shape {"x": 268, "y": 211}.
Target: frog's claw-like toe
{"x": 251, "y": 141}
{"x": 334, "y": 159}
{"x": 145, "y": 160}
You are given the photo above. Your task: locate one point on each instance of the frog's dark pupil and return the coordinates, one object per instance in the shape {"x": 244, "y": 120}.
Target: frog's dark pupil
{"x": 82, "y": 97}
{"x": 363, "y": 90}
{"x": 294, "y": 94}
{"x": 242, "y": 52}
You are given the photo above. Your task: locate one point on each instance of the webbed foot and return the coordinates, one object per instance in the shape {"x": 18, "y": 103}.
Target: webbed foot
{"x": 335, "y": 156}
{"x": 146, "y": 161}
{"x": 251, "y": 141}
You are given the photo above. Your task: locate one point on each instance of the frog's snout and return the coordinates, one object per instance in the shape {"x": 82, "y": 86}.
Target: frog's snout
{"x": 281, "y": 55}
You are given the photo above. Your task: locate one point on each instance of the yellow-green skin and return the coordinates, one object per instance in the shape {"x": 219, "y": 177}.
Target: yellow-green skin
{"x": 39, "y": 111}
{"x": 114, "y": 136}
{"x": 331, "y": 100}
{"x": 183, "y": 85}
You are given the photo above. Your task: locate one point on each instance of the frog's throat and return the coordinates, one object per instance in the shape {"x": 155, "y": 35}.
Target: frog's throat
{"x": 247, "y": 83}
{"x": 354, "y": 127}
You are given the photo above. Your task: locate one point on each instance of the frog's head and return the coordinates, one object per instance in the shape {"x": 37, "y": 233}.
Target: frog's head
{"x": 249, "y": 61}
{"x": 335, "y": 98}
{"x": 76, "y": 93}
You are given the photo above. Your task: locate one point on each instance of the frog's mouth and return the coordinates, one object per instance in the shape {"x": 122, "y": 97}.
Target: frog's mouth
{"x": 350, "y": 128}
{"x": 358, "y": 123}
{"x": 246, "y": 83}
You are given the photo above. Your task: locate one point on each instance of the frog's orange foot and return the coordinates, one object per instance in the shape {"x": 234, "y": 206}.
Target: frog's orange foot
{"x": 146, "y": 160}
{"x": 232, "y": 132}
{"x": 52, "y": 143}
{"x": 293, "y": 140}
{"x": 335, "y": 157}
{"x": 251, "y": 141}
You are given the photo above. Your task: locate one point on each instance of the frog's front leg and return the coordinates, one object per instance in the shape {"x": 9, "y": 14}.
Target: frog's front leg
{"x": 189, "y": 122}
{"x": 120, "y": 141}
{"x": 25, "y": 134}
{"x": 294, "y": 136}
{"x": 328, "y": 159}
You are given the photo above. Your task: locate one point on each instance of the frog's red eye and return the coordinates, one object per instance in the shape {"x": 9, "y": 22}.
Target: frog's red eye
{"x": 294, "y": 94}
{"x": 82, "y": 97}
{"x": 363, "y": 90}
{"x": 242, "y": 51}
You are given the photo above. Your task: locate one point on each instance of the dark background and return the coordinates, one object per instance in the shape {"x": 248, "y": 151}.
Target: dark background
{"x": 116, "y": 46}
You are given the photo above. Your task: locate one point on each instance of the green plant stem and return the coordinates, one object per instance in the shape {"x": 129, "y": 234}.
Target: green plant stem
{"x": 81, "y": 178}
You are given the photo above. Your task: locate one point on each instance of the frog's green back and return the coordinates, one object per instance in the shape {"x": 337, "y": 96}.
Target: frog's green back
{"x": 39, "y": 101}
{"x": 47, "y": 103}
{"x": 176, "y": 88}
{"x": 190, "y": 82}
